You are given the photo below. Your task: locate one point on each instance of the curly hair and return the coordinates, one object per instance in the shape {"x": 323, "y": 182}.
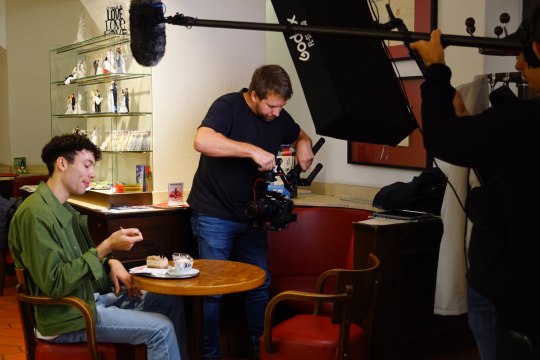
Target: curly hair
{"x": 67, "y": 146}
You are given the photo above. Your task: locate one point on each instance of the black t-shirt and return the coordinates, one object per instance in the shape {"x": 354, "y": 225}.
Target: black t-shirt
{"x": 223, "y": 186}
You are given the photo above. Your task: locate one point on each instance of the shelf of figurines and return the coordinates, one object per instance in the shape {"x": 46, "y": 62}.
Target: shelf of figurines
{"x": 120, "y": 141}
{"x": 98, "y": 78}
{"x": 100, "y": 114}
{"x": 94, "y": 44}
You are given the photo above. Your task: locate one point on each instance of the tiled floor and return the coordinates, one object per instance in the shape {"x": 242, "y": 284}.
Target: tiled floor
{"x": 11, "y": 337}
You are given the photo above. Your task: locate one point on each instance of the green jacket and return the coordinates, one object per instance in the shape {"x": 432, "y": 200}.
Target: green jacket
{"x": 51, "y": 242}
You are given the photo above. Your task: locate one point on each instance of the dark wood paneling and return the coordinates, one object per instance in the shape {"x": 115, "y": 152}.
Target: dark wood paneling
{"x": 164, "y": 231}
{"x": 405, "y": 326}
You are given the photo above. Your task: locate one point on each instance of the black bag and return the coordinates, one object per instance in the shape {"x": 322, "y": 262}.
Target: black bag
{"x": 424, "y": 193}
{"x": 7, "y": 209}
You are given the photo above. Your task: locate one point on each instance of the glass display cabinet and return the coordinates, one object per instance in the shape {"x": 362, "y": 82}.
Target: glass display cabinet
{"x": 98, "y": 88}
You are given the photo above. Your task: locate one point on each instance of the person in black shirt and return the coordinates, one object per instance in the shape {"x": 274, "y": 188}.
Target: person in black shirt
{"x": 501, "y": 143}
{"x": 238, "y": 139}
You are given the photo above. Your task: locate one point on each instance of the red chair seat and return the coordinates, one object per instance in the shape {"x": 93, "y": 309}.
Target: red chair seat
{"x": 52, "y": 351}
{"x": 312, "y": 337}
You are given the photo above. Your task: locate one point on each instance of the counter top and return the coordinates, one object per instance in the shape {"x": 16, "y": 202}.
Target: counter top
{"x": 317, "y": 194}
{"x": 337, "y": 195}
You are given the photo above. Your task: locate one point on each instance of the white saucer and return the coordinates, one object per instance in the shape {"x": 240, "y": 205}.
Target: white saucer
{"x": 188, "y": 273}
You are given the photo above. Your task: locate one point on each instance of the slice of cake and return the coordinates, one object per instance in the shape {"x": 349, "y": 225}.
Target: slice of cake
{"x": 155, "y": 261}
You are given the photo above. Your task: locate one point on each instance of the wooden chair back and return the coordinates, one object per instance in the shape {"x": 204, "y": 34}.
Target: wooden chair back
{"x": 96, "y": 351}
{"x": 360, "y": 285}
{"x": 353, "y": 302}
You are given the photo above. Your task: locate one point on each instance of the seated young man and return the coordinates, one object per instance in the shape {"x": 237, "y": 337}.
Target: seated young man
{"x": 50, "y": 240}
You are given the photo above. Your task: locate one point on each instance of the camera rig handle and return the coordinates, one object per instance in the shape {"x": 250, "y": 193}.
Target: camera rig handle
{"x": 293, "y": 177}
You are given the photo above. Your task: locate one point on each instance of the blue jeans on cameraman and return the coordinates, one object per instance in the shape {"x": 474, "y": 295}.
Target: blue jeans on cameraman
{"x": 230, "y": 240}
{"x": 483, "y": 323}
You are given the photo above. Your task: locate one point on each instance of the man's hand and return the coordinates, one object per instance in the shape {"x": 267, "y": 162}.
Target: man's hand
{"x": 265, "y": 160}
{"x": 119, "y": 275}
{"x": 304, "y": 151}
{"x": 431, "y": 51}
{"x": 123, "y": 239}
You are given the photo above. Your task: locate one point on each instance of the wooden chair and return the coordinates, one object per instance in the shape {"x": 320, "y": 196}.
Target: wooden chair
{"x": 7, "y": 209}
{"x": 343, "y": 335}
{"x": 17, "y": 195}
{"x": 37, "y": 349}
{"x": 5, "y": 259}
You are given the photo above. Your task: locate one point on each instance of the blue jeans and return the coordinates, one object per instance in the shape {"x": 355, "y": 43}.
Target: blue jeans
{"x": 159, "y": 323}
{"x": 483, "y": 324}
{"x": 229, "y": 240}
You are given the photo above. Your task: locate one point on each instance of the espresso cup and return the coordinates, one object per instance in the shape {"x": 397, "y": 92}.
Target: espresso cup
{"x": 182, "y": 263}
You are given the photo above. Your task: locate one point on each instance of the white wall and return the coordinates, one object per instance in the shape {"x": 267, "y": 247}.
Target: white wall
{"x": 32, "y": 28}
{"x": 5, "y": 151}
{"x": 199, "y": 65}
{"x": 3, "y": 23}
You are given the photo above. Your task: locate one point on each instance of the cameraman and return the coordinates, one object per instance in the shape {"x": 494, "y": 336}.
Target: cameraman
{"x": 238, "y": 139}
{"x": 502, "y": 144}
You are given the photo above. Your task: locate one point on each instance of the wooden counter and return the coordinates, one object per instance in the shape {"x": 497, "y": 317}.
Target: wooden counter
{"x": 164, "y": 230}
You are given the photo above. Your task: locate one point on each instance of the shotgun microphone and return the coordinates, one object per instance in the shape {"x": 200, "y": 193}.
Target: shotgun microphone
{"x": 147, "y": 28}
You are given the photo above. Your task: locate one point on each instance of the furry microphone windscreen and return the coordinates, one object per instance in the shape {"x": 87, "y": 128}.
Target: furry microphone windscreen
{"x": 147, "y": 29}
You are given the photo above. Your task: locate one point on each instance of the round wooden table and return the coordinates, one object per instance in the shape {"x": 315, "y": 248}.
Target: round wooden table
{"x": 216, "y": 277}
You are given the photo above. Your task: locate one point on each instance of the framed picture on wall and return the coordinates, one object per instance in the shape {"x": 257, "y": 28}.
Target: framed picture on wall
{"x": 19, "y": 165}
{"x": 417, "y": 15}
{"x": 410, "y": 153}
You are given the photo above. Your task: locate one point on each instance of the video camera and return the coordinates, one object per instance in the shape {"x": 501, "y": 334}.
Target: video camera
{"x": 271, "y": 209}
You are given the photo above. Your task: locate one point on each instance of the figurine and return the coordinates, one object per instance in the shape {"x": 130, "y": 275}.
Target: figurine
{"x": 120, "y": 62}
{"x": 124, "y": 103}
{"x": 127, "y": 99}
{"x": 68, "y": 79}
{"x": 94, "y": 135}
{"x": 106, "y": 65}
{"x": 70, "y": 104}
{"x": 96, "y": 66}
{"x": 96, "y": 97}
{"x": 78, "y": 130}
{"x": 78, "y": 104}
{"x": 113, "y": 97}
{"x": 81, "y": 31}
{"x": 81, "y": 69}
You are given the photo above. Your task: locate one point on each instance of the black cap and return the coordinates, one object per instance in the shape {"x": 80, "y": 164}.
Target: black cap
{"x": 521, "y": 35}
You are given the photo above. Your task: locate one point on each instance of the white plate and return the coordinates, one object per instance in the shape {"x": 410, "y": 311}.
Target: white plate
{"x": 170, "y": 274}
{"x": 163, "y": 273}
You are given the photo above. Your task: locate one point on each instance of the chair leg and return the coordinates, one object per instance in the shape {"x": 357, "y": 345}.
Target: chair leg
{"x": 140, "y": 352}
{"x": 3, "y": 260}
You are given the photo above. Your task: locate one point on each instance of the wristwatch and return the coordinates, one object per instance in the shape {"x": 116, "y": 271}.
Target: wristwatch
{"x": 106, "y": 263}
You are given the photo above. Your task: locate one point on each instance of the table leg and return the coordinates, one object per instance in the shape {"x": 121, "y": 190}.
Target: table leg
{"x": 197, "y": 327}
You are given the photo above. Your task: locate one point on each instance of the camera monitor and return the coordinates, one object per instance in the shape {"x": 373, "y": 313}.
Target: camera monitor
{"x": 349, "y": 82}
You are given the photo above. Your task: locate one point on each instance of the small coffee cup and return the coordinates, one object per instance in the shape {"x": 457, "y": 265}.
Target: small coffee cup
{"x": 183, "y": 263}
